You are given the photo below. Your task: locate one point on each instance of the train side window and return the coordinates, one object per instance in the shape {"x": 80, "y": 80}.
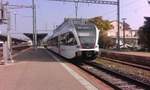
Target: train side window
{"x": 54, "y": 41}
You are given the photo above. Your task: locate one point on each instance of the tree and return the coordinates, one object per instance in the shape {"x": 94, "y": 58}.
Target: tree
{"x": 144, "y": 34}
{"x": 103, "y": 26}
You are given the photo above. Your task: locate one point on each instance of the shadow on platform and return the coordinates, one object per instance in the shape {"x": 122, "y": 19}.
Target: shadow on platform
{"x": 38, "y": 55}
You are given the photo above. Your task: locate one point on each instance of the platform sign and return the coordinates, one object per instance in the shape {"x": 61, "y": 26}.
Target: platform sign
{"x": 85, "y": 27}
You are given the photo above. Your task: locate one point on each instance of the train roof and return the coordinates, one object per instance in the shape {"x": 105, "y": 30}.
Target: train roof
{"x": 73, "y": 21}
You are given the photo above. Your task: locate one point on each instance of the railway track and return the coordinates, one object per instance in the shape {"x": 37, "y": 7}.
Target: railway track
{"x": 116, "y": 80}
{"x": 127, "y": 63}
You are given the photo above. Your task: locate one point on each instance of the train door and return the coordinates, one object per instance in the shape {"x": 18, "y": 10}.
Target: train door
{"x": 70, "y": 45}
{"x": 59, "y": 43}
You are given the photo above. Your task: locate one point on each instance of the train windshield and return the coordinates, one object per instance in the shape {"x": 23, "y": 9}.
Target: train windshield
{"x": 87, "y": 35}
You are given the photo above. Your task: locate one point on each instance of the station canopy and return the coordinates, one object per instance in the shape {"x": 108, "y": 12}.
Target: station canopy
{"x": 4, "y": 38}
{"x": 40, "y": 36}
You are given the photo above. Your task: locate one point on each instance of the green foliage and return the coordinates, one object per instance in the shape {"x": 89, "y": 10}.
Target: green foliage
{"x": 144, "y": 35}
{"x": 103, "y": 26}
{"x": 105, "y": 41}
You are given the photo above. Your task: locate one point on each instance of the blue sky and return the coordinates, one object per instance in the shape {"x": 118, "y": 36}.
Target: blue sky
{"x": 50, "y": 13}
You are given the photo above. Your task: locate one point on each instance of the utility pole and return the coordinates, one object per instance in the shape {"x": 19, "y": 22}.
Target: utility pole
{"x": 76, "y": 9}
{"x": 124, "y": 40}
{"x": 8, "y": 44}
{"x": 9, "y": 37}
{"x": 15, "y": 21}
{"x": 118, "y": 20}
{"x": 34, "y": 24}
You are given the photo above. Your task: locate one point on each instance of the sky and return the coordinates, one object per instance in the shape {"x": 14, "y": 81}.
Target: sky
{"x": 52, "y": 13}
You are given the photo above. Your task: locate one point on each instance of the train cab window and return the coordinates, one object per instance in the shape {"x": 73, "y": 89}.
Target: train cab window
{"x": 63, "y": 39}
{"x": 54, "y": 41}
{"x": 67, "y": 39}
{"x": 71, "y": 39}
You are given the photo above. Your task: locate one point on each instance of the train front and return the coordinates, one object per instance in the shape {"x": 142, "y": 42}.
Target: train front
{"x": 88, "y": 36}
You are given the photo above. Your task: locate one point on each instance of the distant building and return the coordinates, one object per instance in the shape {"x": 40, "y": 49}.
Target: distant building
{"x": 130, "y": 35}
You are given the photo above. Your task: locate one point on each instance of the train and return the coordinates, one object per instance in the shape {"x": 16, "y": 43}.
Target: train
{"x": 75, "y": 38}
{"x": 1, "y": 43}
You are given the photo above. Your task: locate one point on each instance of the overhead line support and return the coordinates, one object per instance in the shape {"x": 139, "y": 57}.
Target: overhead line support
{"x": 117, "y": 3}
{"x": 90, "y": 1}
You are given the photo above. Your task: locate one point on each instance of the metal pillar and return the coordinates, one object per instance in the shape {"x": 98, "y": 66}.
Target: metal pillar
{"x": 76, "y": 9}
{"x": 5, "y": 53}
{"x": 118, "y": 20}
{"x": 8, "y": 36}
{"x": 15, "y": 21}
{"x": 124, "y": 41}
{"x": 34, "y": 24}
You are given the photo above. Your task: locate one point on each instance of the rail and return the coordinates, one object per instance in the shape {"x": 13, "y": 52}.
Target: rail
{"x": 143, "y": 60}
{"x": 115, "y": 79}
{"x": 127, "y": 63}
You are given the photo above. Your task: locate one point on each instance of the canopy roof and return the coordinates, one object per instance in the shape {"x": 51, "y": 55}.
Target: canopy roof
{"x": 40, "y": 36}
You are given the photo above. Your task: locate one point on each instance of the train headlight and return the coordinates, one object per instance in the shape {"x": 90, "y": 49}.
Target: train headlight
{"x": 79, "y": 53}
{"x": 96, "y": 46}
{"x": 78, "y": 46}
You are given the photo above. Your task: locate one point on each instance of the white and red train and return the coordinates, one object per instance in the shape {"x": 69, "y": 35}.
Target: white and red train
{"x": 75, "y": 38}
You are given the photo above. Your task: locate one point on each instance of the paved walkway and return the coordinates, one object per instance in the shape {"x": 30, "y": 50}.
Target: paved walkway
{"x": 36, "y": 70}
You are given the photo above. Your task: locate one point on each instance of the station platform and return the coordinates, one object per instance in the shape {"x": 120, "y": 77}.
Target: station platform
{"x": 39, "y": 70}
{"x": 143, "y": 54}
{"x": 141, "y": 58}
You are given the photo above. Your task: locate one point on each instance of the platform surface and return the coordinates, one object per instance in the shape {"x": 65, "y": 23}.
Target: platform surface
{"x": 143, "y": 54}
{"x": 37, "y": 70}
